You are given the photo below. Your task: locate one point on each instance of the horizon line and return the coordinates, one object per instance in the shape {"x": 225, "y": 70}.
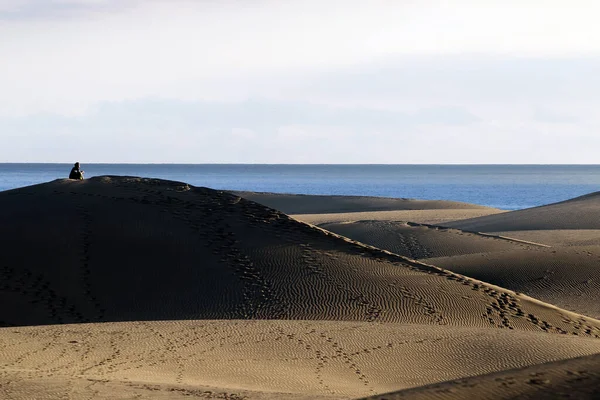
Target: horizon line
{"x": 304, "y": 164}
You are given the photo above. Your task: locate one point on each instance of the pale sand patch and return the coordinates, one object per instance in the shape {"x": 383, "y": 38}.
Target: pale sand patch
{"x": 321, "y": 204}
{"x": 259, "y": 359}
{"x": 434, "y": 217}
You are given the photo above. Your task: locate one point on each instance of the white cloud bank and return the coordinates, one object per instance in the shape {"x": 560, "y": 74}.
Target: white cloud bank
{"x": 299, "y": 81}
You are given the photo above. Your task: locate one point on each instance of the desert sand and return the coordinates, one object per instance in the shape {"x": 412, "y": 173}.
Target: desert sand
{"x": 316, "y": 210}
{"x": 123, "y": 287}
{"x": 577, "y": 378}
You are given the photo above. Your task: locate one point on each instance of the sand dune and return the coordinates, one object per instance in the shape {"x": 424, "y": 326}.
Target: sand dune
{"x": 579, "y": 213}
{"x": 317, "y": 359}
{"x": 317, "y": 210}
{"x": 253, "y": 303}
{"x": 432, "y": 216}
{"x": 169, "y": 251}
{"x": 317, "y": 204}
{"x": 418, "y": 241}
{"x": 577, "y": 378}
{"x": 566, "y": 277}
{"x": 558, "y": 237}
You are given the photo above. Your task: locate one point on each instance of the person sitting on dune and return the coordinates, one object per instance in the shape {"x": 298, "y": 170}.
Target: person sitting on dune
{"x": 76, "y": 173}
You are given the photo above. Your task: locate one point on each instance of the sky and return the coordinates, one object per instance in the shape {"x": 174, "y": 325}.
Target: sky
{"x": 274, "y": 81}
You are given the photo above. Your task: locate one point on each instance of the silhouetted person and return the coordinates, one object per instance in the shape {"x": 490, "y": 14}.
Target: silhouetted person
{"x": 76, "y": 173}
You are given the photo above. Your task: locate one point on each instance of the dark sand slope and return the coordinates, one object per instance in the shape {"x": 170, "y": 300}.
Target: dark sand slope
{"x": 579, "y": 213}
{"x": 418, "y": 241}
{"x": 561, "y": 267}
{"x": 128, "y": 249}
{"x": 577, "y": 378}
{"x": 568, "y": 277}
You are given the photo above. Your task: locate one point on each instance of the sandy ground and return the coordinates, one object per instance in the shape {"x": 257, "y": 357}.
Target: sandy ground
{"x": 317, "y": 210}
{"x": 426, "y": 216}
{"x": 571, "y": 379}
{"x": 566, "y": 277}
{"x": 120, "y": 287}
{"x": 244, "y": 358}
{"x": 315, "y": 204}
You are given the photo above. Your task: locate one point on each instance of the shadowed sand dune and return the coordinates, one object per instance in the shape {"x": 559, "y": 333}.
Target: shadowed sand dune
{"x": 332, "y": 317}
{"x": 566, "y": 276}
{"x": 579, "y": 213}
{"x": 570, "y": 379}
{"x": 560, "y": 267}
{"x": 169, "y": 251}
{"x": 418, "y": 241}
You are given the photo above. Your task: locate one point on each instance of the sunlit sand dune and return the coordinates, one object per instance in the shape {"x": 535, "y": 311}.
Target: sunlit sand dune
{"x": 316, "y": 210}
{"x": 261, "y": 358}
{"x": 570, "y": 379}
{"x": 251, "y": 302}
{"x": 558, "y": 237}
{"x": 322, "y": 204}
{"x": 566, "y": 277}
{"x": 425, "y": 216}
{"x": 579, "y": 213}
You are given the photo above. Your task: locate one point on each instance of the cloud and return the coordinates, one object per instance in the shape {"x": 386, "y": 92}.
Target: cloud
{"x": 168, "y": 80}
{"x": 159, "y": 128}
{"x": 553, "y": 117}
{"x": 269, "y": 114}
{"x": 18, "y": 10}
{"x": 269, "y": 131}
{"x": 466, "y": 78}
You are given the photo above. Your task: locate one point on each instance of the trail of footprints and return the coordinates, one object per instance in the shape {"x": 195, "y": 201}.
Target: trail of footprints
{"x": 85, "y": 263}
{"x": 39, "y": 290}
{"x": 324, "y": 349}
{"x": 205, "y": 219}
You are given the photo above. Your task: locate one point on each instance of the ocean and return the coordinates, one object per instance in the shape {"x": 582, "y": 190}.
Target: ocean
{"x": 508, "y": 187}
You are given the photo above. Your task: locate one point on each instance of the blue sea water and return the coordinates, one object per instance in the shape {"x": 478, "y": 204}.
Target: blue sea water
{"x": 507, "y": 187}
